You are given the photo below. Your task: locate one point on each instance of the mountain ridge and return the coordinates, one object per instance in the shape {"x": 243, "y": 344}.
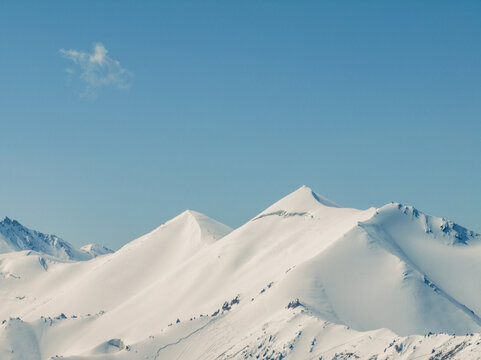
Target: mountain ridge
{"x": 17, "y": 237}
{"x": 300, "y": 279}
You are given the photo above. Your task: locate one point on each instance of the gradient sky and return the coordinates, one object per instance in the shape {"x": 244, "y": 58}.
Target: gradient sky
{"x": 224, "y": 107}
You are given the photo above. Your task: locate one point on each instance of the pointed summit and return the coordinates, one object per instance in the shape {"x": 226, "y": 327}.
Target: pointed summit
{"x": 301, "y": 200}
{"x": 322, "y": 200}
{"x": 197, "y": 230}
{"x": 173, "y": 242}
{"x": 210, "y": 230}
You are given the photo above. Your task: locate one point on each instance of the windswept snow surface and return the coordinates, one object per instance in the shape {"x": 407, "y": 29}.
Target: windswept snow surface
{"x": 304, "y": 279}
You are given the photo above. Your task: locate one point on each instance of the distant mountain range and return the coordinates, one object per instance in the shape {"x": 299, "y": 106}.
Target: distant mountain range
{"x": 16, "y": 237}
{"x": 304, "y": 279}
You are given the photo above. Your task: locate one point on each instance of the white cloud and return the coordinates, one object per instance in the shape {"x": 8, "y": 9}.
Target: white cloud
{"x": 97, "y": 69}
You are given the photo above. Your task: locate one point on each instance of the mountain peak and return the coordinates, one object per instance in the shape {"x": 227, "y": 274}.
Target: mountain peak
{"x": 16, "y": 237}
{"x": 192, "y": 213}
{"x": 445, "y": 230}
{"x": 322, "y": 200}
{"x": 208, "y": 230}
{"x": 8, "y": 221}
{"x": 211, "y": 230}
{"x": 303, "y": 199}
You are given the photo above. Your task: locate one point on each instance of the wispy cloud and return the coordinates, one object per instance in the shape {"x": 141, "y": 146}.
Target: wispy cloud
{"x": 97, "y": 69}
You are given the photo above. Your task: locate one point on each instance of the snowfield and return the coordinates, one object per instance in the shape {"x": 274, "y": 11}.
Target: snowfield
{"x": 304, "y": 279}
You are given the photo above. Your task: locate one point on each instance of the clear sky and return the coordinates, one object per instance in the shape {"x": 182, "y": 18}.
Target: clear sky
{"x": 117, "y": 115}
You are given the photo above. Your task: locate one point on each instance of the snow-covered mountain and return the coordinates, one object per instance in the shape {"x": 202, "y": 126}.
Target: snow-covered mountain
{"x": 304, "y": 279}
{"x": 16, "y": 237}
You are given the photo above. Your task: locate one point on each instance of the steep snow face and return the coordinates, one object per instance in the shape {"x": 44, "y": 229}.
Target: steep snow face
{"x": 360, "y": 283}
{"x": 400, "y": 269}
{"x": 304, "y": 279}
{"x": 16, "y": 237}
{"x": 446, "y": 254}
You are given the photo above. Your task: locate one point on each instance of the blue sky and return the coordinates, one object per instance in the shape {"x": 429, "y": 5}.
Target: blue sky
{"x": 224, "y": 107}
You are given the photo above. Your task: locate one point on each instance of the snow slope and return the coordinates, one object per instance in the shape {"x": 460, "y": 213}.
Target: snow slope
{"x": 303, "y": 279}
